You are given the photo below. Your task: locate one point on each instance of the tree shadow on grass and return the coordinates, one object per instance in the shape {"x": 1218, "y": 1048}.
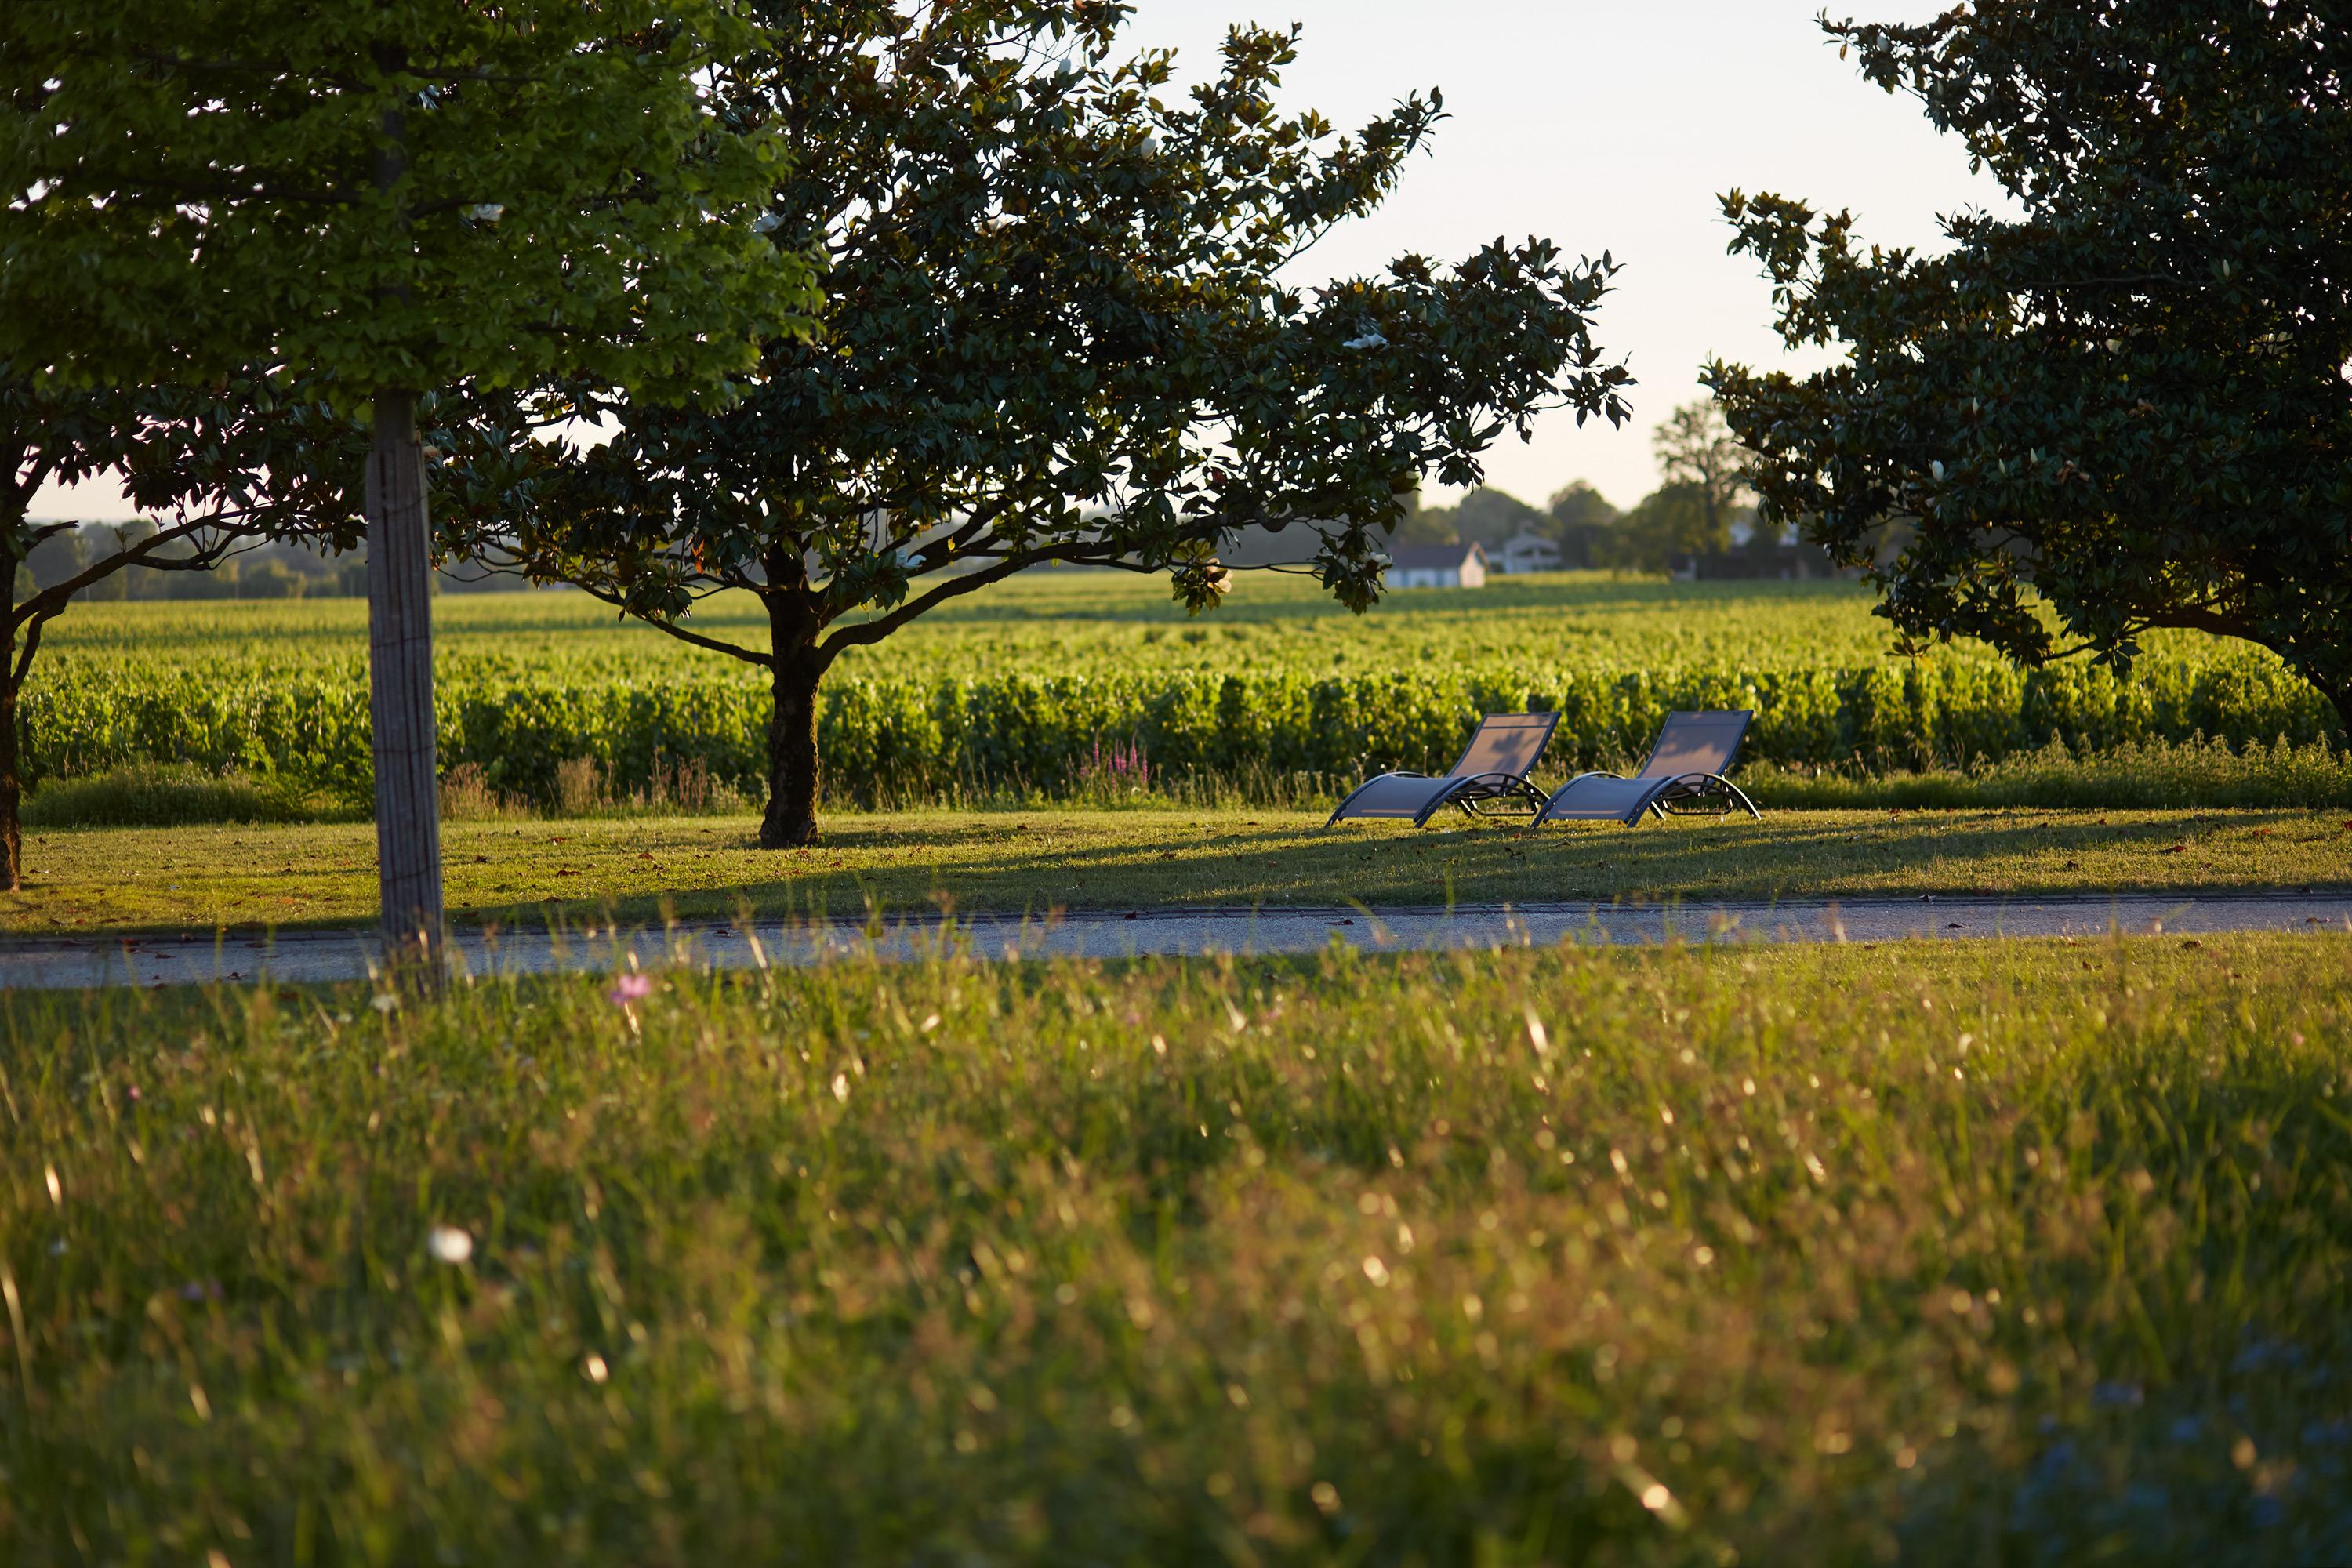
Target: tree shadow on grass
{"x": 641, "y": 872}
{"x": 1017, "y": 864}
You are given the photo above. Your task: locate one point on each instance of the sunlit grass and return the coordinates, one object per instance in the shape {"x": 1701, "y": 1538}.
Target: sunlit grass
{"x": 644, "y": 869}
{"x": 2018, "y": 1253}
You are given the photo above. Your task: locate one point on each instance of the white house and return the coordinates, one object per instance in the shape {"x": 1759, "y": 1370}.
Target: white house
{"x": 1438, "y": 566}
{"x": 1529, "y": 553}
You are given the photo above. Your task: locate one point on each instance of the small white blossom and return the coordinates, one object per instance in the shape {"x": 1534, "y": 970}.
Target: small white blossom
{"x": 1370, "y": 339}
{"x": 448, "y": 1244}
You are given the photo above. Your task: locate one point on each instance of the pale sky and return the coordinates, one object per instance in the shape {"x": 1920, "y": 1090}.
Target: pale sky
{"x": 1611, "y": 125}
{"x": 1602, "y": 125}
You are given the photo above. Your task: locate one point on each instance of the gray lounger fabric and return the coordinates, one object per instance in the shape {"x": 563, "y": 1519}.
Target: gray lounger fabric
{"x": 1495, "y": 763}
{"x": 1686, "y": 764}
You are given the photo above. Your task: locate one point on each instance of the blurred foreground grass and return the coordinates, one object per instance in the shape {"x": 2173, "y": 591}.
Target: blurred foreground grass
{"x": 1977, "y": 1253}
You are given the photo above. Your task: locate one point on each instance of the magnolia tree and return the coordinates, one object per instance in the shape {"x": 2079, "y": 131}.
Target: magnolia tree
{"x": 385, "y": 199}
{"x": 215, "y": 471}
{"x": 1058, "y": 328}
{"x": 2126, "y": 406}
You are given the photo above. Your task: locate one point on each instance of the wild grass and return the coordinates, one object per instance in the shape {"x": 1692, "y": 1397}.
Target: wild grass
{"x": 162, "y": 794}
{"x": 583, "y": 790}
{"x": 2033, "y": 1252}
{"x": 2145, "y": 774}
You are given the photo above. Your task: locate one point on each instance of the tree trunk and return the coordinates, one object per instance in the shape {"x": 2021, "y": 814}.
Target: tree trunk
{"x": 11, "y": 796}
{"x": 399, "y": 685}
{"x": 13, "y": 503}
{"x": 790, "y": 821}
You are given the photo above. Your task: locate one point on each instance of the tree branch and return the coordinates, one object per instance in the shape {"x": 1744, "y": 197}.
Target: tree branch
{"x": 207, "y": 557}
{"x": 53, "y": 599}
{"x": 2126, "y": 281}
{"x": 733, "y": 650}
{"x": 24, "y": 660}
{"x": 2198, "y": 618}
{"x": 976, "y": 524}
{"x": 866, "y": 633}
{"x": 152, "y": 189}
{"x": 26, "y": 482}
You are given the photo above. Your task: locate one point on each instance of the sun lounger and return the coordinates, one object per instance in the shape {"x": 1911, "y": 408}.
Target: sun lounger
{"x": 1684, "y": 773}
{"x": 1494, "y": 767}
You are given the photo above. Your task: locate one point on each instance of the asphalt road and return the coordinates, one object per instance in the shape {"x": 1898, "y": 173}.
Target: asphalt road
{"x": 320, "y": 956}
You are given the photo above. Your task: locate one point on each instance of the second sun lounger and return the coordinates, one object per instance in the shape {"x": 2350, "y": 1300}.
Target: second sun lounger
{"x": 1493, "y": 766}
{"x": 1685, "y": 772}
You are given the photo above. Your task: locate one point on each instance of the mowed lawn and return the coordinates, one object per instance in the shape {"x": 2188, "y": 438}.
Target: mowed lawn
{"x": 640, "y": 868}
{"x": 2003, "y": 1253}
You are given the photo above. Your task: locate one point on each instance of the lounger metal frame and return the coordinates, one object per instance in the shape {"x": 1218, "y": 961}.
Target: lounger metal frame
{"x": 1476, "y": 793}
{"x": 1680, "y": 794}
{"x": 1724, "y": 797}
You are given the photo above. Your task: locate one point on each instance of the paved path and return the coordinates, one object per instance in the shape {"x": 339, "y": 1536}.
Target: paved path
{"x": 304, "y": 956}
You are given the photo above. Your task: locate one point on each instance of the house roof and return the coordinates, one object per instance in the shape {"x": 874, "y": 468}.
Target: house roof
{"x": 1435, "y": 557}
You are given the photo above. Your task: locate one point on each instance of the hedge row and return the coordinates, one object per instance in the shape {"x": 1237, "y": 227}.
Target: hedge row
{"x": 897, "y": 738}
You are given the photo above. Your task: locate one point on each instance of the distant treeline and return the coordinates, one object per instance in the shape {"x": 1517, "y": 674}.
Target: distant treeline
{"x": 1703, "y": 513}
{"x": 1669, "y": 531}
{"x": 272, "y": 571}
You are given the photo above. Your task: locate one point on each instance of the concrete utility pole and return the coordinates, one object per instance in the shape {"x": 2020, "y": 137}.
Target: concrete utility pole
{"x": 399, "y": 640}
{"x": 399, "y": 685}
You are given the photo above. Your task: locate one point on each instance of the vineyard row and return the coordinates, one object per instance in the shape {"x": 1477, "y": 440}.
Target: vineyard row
{"x": 888, "y": 739}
